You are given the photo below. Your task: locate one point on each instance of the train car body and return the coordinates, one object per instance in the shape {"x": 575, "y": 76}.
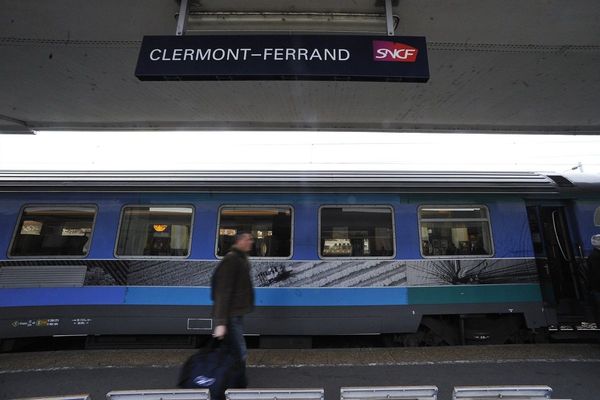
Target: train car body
{"x": 336, "y": 253}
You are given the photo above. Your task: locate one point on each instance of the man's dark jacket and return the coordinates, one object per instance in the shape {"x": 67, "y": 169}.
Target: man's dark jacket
{"x": 232, "y": 291}
{"x": 594, "y": 270}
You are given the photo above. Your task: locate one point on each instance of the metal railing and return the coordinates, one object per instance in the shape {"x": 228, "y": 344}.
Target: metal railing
{"x": 274, "y": 394}
{"x": 515, "y": 392}
{"x": 161, "y": 394}
{"x": 389, "y": 392}
{"x": 502, "y": 392}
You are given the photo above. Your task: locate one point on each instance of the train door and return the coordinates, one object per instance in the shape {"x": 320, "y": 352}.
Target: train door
{"x": 557, "y": 265}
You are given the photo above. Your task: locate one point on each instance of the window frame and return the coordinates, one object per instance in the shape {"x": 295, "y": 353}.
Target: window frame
{"x": 488, "y": 220}
{"x": 394, "y": 238}
{"x": 258, "y": 207}
{"x": 597, "y": 217}
{"x": 58, "y": 206}
{"x": 189, "y": 253}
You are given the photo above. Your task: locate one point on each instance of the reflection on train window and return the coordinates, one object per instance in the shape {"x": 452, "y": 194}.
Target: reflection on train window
{"x": 597, "y": 217}
{"x": 155, "y": 231}
{"x": 54, "y": 231}
{"x": 270, "y": 226}
{"x": 455, "y": 231}
{"x": 357, "y": 232}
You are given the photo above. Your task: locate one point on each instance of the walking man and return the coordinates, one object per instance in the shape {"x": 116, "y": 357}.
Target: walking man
{"x": 594, "y": 276}
{"x": 233, "y": 297}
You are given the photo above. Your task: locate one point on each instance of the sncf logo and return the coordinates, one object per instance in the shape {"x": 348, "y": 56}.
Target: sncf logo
{"x": 392, "y": 51}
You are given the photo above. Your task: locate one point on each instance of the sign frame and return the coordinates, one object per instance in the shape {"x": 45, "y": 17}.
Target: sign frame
{"x": 283, "y": 57}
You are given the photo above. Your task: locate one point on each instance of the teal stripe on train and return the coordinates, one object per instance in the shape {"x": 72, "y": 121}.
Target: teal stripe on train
{"x": 464, "y": 294}
{"x": 300, "y": 297}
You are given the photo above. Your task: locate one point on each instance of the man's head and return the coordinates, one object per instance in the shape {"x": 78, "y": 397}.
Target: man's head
{"x": 244, "y": 241}
{"x": 596, "y": 241}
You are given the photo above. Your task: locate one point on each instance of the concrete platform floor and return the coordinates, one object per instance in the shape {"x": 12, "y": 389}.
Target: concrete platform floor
{"x": 572, "y": 370}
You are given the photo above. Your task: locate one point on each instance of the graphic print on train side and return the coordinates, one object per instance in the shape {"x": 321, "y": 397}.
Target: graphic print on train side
{"x": 305, "y": 274}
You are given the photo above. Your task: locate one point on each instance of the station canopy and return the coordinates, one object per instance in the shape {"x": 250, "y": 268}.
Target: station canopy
{"x": 508, "y": 66}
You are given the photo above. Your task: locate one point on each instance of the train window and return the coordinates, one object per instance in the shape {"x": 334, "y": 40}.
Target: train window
{"x": 270, "y": 226}
{"x": 455, "y": 231}
{"x": 597, "y": 217}
{"x": 357, "y": 231}
{"x": 47, "y": 231}
{"x": 155, "y": 231}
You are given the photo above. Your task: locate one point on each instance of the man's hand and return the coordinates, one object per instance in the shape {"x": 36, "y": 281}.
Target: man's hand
{"x": 220, "y": 331}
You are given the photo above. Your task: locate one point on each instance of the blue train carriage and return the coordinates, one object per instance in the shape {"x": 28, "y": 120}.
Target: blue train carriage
{"x": 423, "y": 257}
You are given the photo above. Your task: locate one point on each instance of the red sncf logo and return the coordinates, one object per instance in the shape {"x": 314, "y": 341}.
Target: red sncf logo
{"x": 392, "y": 51}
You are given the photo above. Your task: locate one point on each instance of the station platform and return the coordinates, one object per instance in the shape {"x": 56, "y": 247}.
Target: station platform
{"x": 572, "y": 370}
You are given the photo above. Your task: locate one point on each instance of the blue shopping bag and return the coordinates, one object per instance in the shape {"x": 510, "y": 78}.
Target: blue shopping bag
{"x": 212, "y": 368}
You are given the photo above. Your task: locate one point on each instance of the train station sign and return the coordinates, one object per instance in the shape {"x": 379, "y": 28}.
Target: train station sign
{"x": 284, "y": 57}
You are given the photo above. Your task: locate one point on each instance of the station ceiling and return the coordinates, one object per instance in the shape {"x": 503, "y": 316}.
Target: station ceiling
{"x": 508, "y": 66}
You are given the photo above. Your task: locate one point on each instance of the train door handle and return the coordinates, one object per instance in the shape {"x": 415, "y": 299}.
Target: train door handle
{"x": 557, "y": 238}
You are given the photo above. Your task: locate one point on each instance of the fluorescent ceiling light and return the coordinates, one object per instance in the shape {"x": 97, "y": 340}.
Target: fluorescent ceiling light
{"x": 171, "y": 210}
{"x": 451, "y": 209}
{"x": 298, "y": 22}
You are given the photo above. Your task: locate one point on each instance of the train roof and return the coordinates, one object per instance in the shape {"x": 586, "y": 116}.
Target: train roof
{"x": 303, "y": 181}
